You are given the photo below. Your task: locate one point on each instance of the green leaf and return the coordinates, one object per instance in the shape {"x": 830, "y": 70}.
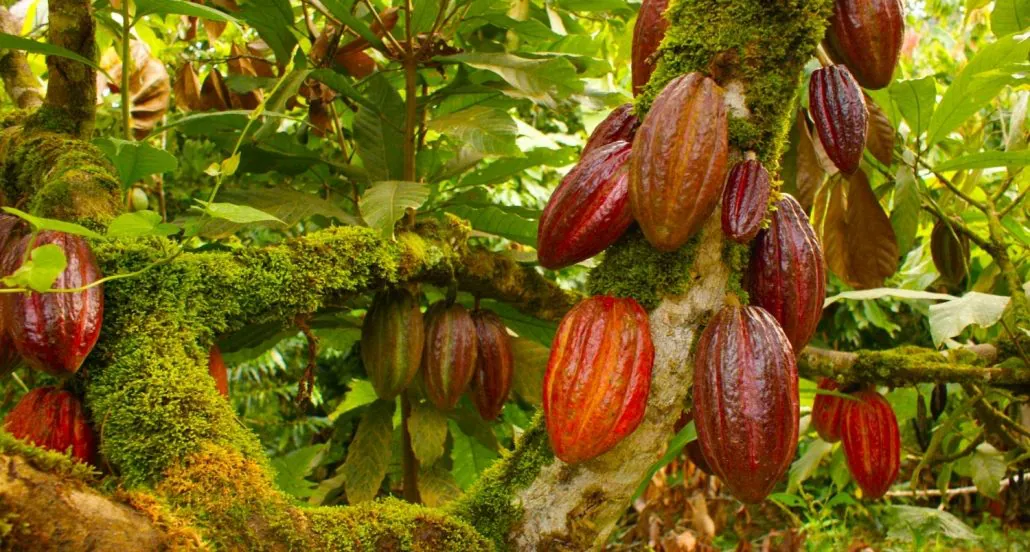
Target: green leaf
{"x": 676, "y": 444}
{"x": 1010, "y": 16}
{"x": 343, "y": 84}
{"x": 379, "y": 131}
{"x": 136, "y": 160}
{"x": 804, "y": 467}
{"x": 907, "y": 523}
{"x": 12, "y": 42}
{"x": 383, "y": 204}
{"x": 286, "y": 205}
{"x": 530, "y": 327}
{"x": 428, "y": 429}
{"x": 240, "y": 214}
{"x": 988, "y": 467}
{"x": 40, "y": 223}
{"x": 503, "y": 170}
{"x": 341, "y": 10}
{"x": 986, "y": 160}
{"x": 498, "y": 220}
{"x": 587, "y": 6}
{"x": 436, "y": 486}
{"x": 292, "y": 470}
{"x": 39, "y": 273}
{"x": 423, "y": 15}
{"x": 948, "y": 320}
{"x": 545, "y": 81}
{"x": 140, "y": 224}
{"x": 368, "y": 455}
{"x": 530, "y": 364}
{"x": 880, "y": 293}
{"x": 469, "y": 456}
{"x": 253, "y": 340}
{"x": 905, "y": 213}
{"x": 916, "y": 100}
{"x": 485, "y": 130}
{"x": 361, "y": 393}
{"x": 787, "y": 499}
{"x": 273, "y": 20}
{"x": 180, "y": 7}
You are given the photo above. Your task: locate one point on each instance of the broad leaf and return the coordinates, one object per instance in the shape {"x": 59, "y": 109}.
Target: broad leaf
{"x": 905, "y": 213}
{"x": 880, "y": 138}
{"x": 385, "y": 203}
{"x": 988, "y": 467}
{"x": 436, "y": 486}
{"x": 140, "y": 224}
{"x": 286, "y": 205}
{"x": 810, "y": 173}
{"x": 470, "y": 457}
{"x": 544, "y": 81}
{"x": 273, "y": 20}
{"x": 361, "y": 393}
{"x": 40, "y": 223}
{"x": 987, "y": 160}
{"x": 948, "y": 320}
{"x": 342, "y": 11}
{"x": 368, "y": 455}
{"x": 804, "y": 467}
{"x": 880, "y": 293}
{"x": 292, "y": 470}
{"x": 12, "y": 42}
{"x": 486, "y": 131}
{"x": 912, "y": 523}
{"x": 136, "y": 160}
{"x": 379, "y": 131}
{"x": 1010, "y": 16}
{"x": 240, "y": 214}
{"x": 530, "y": 365}
{"x": 675, "y": 448}
{"x": 499, "y": 220}
{"x": 180, "y": 7}
{"x": 41, "y": 270}
{"x": 915, "y": 100}
{"x": 428, "y": 429}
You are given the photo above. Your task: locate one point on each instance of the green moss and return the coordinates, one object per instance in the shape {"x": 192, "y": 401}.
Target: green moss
{"x": 393, "y": 524}
{"x": 736, "y": 256}
{"x": 632, "y": 268}
{"x": 47, "y": 460}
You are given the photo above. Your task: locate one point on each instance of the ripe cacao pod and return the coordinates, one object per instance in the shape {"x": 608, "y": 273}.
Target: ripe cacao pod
{"x": 678, "y": 164}
{"x": 590, "y": 209}
{"x": 495, "y": 364}
{"x": 872, "y": 444}
{"x": 53, "y": 419}
{"x": 746, "y": 400}
{"x": 54, "y": 332}
{"x": 697, "y": 456}
{"x": 598, "y": 377}
{"x": 840, "y": 114}
{"x": 11, "y": 230}
{"x": 867, "y": 36}
{"x": 216, "y": 367}
{"x": 745, "y": 200}
{"x": 950, "y": 251}
{"x": 826, "y": 411}
{"x": 392, "y": 339}
{"x": 786, "y": 276}
{"x": 619, "y": 126}
{"x": 449, "y": 356}
{"x": 647, "y": 36}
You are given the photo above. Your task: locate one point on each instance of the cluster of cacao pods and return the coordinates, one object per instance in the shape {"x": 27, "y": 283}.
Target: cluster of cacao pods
{"x": 456, "y": 351}
{"x": 868, "y": 430}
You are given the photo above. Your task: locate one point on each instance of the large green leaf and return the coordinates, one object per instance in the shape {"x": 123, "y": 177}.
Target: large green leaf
{"x": 948, "y": 320}
{"x": 286, "y": 205}
{"x": 428, "y": 429}
{"x": 40, "y": 271}
{"x": 180, "y": 7}
{"x": 361, "y": 393}
{"x": 915, "y": 100}
{"x": 41, "y": 223}
{"x": 545, "y": 81}
{"x": 905, "y": 212}
{"x": 986, "y": 160}
{"x": 499, "y": 220}
{"x": 486, "y": 131}
{"x": 530, "y": 364}
{"x": 341, "y": 10}
{"x": 292, "y": 470}
{"x": 140, "y": 224}
{"x": 913, "y": 524}
{"x": 379, "y": 131}
{"x": 273, "y": 20}
{"x": 12, "y": 42}
{"x": 503, "y": 170}
{"x": 136, "y": 160}
{"x": 368, "y": 455}
{"x": 988, "y": 468}
{"x": 804, "y": 467}
{"x": 470, "y": 457}
{"x": 384, "y": 203}
{"x": 1010, "y": 16}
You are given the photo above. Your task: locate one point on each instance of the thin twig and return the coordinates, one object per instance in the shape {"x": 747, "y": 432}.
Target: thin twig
{"x": 928, "y": 493}
{"x": 1015, "y": 203}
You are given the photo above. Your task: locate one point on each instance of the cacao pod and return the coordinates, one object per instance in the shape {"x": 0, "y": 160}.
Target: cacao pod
{"x": 598, "y": 377}
{"x": 648, "y": 34}
{"x": 495, "y": 364}
{"x": 938, "y": 400}
{"x": 590, "y": 209}
{"x": 745, "y": 200}
{"x": 53, "y": 419}
{"x": 11, "y": 230}
{"x": 872, "y": 444}
{"x": 840, "y": 115}
{"x": 950, "y": 251}
{"x": 216, "y": 367}
{"x": 867, "y": 36}
{"x": 746, "y": 400}
{"x": 619, "y": 126}
{"x": 786, "y": 276}
{"x": 392, "y": 339}
{"x": 54, "y": 332}
{"x": 678, "y": 164}
{"x": 826, "y": 411}
{"x": 697, "y": 456}
{"x": 449, "y": 356}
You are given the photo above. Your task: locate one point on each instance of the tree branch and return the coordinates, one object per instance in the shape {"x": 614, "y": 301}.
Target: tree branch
{"x": 70, "y": 104}
{"x": 22, "y": 86}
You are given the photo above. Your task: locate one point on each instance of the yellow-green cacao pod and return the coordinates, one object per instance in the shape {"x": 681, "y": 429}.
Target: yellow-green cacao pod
{"x": 392, "y": 338}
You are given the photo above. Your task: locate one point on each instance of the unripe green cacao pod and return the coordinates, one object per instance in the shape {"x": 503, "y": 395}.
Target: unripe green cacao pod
{"x": 598, "y": 377}
{"x": 620, "y": 126}
{"x": 648, "y": 34}
{"x": 450, "y": 353}
{"x": 53, "y": 419}
{"x": 679, "y": 161}
{"x": 867, "y": 36}
{"x": 840, "y": 115}
{"x": 745, "y": 200}
{"x": 495, "y": 364}
{"x": 950, "y": 250}
{"x": 826, "y": 412}
{"x": 218, "y": 370}
{"x": 392, "y": 340}
{"x": 872, "y": 443}
{"x": 746, "y": 400}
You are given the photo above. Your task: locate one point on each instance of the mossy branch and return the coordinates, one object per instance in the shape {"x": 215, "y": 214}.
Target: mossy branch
{"x": 21, "y": 84}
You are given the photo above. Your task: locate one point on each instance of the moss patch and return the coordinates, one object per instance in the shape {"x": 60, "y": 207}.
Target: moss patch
{"x": 632, "y": 268}
{"x": 47, "y": 460}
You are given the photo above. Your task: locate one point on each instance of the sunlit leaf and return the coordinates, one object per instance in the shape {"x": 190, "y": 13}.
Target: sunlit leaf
{"x": 428, "y": 429}
{"x": 368, "y": 455}
{"x": 385, "y": 203}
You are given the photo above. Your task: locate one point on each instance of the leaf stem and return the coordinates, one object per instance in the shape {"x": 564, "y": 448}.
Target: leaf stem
{"x": 410, "y": 463}
{"x": 127, "y": 68}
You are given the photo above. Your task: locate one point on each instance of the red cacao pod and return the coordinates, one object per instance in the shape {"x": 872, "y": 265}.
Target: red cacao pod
{"x": 745, "y": 200}
{"x": 54, "y": 332}
{"x": 219, "y": 372}
{"x": 11, "y": 230}
{"x": 746, "y": 400}
{"x": 620, "y": 126}
{"x": 872, "y": 443}
{"x": 697, "y": 456}
{"x": 678, "y": 164}
{"x": 867, "y": 36}
{"x": 590, "y": 209}
{"x": 495, "y": 364}
{"x": 53, "y": 419}
{"x": 392, "y": 340}
{"x": 449, "y": 356}
{"x": 950, "y": 250}
{"x": 598, "y": 377}
{"x": 647, "y": 36}
{"x": 786, "y": 276}
{"x": 840, "y": 114}
{"x": 826, "y": 412}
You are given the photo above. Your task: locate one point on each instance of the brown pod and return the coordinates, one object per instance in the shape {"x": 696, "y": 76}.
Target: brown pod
{"x": 840, "y": 115}
{"x": 449, "y": 357}
{"x": 786, "y": 275}
{"x": 647, "y": 36}
{"x": 871, "y": 442}
{"x": 392, "y": 341}
{"x": 53, "y": 419}
{"x": 950, "y": 250}
{"x": 495, "y": 364}
{"x": 11, "y": 231}
{"x": 746, "y": 400}
{"x": 219, "y": 372}
{"x": 54, "y": 332}
{"x": 826, "y": 412}
{"x": 745, "y": 200}
{"x": 620, "y": 126}
{"x": 590, "y": 209}
{"x": 679, "y": 161}
{"x": 867, "y": 36}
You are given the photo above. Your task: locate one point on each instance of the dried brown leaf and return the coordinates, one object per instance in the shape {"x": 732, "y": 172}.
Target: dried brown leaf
{"x": 187, "y": 89}
{"x": 810, "y": 173}
{"x": 214, "y": 94}
{"x": 880, "y": 136}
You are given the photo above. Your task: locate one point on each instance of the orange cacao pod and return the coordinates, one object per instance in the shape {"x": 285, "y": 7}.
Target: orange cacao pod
{"x": 449, "y": 356}
{"x": 647, "y": 36}
{"x": 219, "y": 372}
{"x": 867, "y": 36}
{"x": 745, "y": 200}
{"x": 950, "y": 250}
{"x": 826, "y": 412}
{"x": 840, "y": 114}
{"x": 746, "y": 400}
{"x": 392, "y": 340}
{"x": 495, "y": 364}
{"x": 590, "y": 209}
{"x": 786, "y": 275}
{"x": 54, "y": 332}
{"x": 872, "y": 443}
{"x": 678, "y": 164}
{"x": 620, "y": 126}
{"x": 598, "y": 377}
{"x": 53, "y": 419}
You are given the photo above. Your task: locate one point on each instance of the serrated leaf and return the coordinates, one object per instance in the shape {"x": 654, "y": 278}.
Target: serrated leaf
{"x": 428, "y": 429}
{"x": 361, "y": 393}
{"x": 804, "y": 467}
{"x": 288, "y": 206}
{"x": 530, "y": 365}
{"x": 916, "y": 100}
{"x": 469, "y": 456}
{"x": 487, "y": 131}
{"x": 368, "y": 455}
{"x": 40, "y": 223}
{"x": 1010, "y": 16}
{"x": 905, "y": 214}
{"x": 384, "y": 203}
{"x": 986, "y": 160}
{"x": 136, "y": 160}
{"x": 948, "y": 320}
{"x": 292, "y": 470}
{"x": 499, "y": 220}
{"x": 140, "y": 224}
{"x": 379, "y": 132}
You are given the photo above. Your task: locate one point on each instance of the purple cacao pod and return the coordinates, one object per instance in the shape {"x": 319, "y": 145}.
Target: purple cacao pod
{"x": 449, "y": 356}
{"x": 745, "y": 200}
{"x": 840, "y": 114}
{"x": 867, "y": 36}
{"x": 495, "y": 364}
{"x": 648, "y": 34}
{"x": 620, "y": 126}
